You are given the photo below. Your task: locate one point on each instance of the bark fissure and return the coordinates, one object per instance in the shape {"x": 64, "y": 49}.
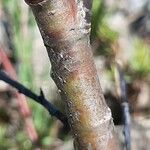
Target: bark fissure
{"x": 65, "y": 28}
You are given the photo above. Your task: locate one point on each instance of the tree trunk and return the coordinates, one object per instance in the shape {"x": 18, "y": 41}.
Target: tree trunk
{"x": 65, "y": 28}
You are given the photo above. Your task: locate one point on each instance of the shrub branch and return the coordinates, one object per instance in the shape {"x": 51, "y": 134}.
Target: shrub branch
{"x": 53, "y": 111}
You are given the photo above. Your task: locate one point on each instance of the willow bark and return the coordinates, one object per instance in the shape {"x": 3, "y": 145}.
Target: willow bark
{"x": 65, "y": 28}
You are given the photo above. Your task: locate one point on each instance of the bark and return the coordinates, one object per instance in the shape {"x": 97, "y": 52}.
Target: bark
{"x": 65, "y": 28}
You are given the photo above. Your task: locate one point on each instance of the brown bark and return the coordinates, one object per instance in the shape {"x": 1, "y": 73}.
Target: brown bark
{"x": 65, "y": 28}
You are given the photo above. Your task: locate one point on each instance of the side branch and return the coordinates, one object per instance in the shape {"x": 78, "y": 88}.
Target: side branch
{"x": 125, "y": 107}
{"x": 38, "y": 98}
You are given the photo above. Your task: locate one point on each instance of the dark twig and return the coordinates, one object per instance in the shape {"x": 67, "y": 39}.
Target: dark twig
{"x": 38, "y": 98}
{"x": 125, "y": 108}
{"x": 21, "y": 100}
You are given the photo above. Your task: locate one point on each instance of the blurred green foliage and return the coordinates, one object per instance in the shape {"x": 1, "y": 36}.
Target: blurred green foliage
{"x": 23, "y": 53}
{"x": 141, "y": 60}
{"x": 100, "y": 30}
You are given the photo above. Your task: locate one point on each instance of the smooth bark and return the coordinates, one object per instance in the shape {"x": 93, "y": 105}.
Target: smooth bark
{"x": 65, "y": 28}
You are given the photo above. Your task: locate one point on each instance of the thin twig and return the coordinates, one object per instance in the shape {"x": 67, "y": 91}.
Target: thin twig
{"x": 125, "y": 108}
{"x": 21, "y": 100}
{"x": 38, "y": 98}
